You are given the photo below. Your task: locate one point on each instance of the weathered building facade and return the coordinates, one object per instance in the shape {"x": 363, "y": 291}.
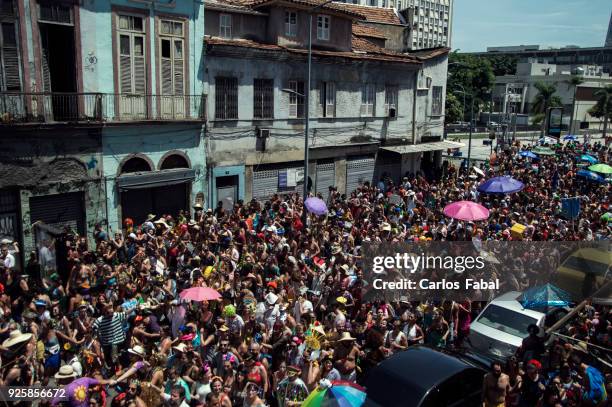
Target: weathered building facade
{"x": 101, "y": 109}
{"x": 365, "y": 101}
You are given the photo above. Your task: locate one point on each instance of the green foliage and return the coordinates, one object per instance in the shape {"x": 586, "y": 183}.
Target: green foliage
{"x": 574, "y": 81}
{"x": 454, "y": 108}
{"x": 604, "y": 102}
{"x": 545, "y": 98}
{"x": 472, "y": 74}
{"x": 503, "y": 64}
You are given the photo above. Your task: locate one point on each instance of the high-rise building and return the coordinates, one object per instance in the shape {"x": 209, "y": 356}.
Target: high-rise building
{"x": 430, "y": 20}
{"x": 609, "y": 36}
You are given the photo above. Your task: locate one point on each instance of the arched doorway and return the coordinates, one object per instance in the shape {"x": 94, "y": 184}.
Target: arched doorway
{"x": 174, "y": 161}
{"x": 135, "y": 164}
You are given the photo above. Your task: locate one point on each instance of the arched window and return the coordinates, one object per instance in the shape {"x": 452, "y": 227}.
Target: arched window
{"x": 174, "y": 161}
{"x": 135, "y": 164}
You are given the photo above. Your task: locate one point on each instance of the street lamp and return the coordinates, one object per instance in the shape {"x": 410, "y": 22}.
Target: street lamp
{"x": 470, "y": 127}
{"x": 307, "y": 102}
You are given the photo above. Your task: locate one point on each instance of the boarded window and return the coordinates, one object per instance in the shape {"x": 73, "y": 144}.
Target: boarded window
{"x": 323, "y": 24}
{"x": 436, "y": 101}
{"x": 263, "y": 99}
{"x": 172, "y": 58}
{"x": 225, "y": 26}
{"x": 391, "y": 95}
{"x": 132, "y": 62}
{"x": 290, "y": 23}
{"x": 368, "y": 99}
{"x": 226, "y": 98}
{"x": 296, "y": 99}
{"x": 328, "y": 99}
{"x": 9, "y": 58}
{"x": 52, "y": 12}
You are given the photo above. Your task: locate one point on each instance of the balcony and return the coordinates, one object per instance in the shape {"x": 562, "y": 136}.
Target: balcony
{"x": 32, "y": 108}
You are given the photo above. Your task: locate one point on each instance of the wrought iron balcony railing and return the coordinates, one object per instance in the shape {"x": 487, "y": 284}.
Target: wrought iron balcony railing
{"x": 18, "y": 107}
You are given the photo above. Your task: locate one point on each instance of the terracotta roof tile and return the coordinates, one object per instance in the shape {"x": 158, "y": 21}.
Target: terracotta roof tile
{"x": 424, "y": 54}
{"x": 367, "y": 31}
{"x": 362, "y": 50}
{"x": 312, "y": 3}
{"x": 374, "y": 14}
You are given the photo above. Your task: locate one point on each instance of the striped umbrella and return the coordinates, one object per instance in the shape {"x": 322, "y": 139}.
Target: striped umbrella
{"x": 336, "y": 394}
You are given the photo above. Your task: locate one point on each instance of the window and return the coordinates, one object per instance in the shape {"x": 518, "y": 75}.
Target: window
{"x": 290, "y": 23}
{"x": 436, "y": 101}
{"x": 323, "y": 28}
{"x": 225, "y": 26}
{"x": 263, "y": 99}
{"x": 296, "y": 99}
{"x": 7, "y": 8}
{"x": 368, "y": 97}
{"x": 132, "y": 63}
{"x": 391, "y": 95}
{"x": 55, "y": 13}
{"x": 226, "y": 98}
{"x": 328, "y": 99}
{"x": 172, "y": 59}
{"x": 9, "y": 58}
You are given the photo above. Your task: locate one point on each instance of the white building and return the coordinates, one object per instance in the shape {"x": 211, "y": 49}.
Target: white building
{"x": 430, "y": 20}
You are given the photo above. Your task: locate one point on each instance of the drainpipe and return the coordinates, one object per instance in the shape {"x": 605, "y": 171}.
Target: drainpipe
{"x": 414, "y": 107}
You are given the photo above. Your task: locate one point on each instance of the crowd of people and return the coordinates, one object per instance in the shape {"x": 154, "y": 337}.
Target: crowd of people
{"x": 113, "y": 329}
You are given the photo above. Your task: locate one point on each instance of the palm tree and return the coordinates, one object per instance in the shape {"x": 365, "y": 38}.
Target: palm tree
{"x": 574, "y": 82}
{"x": 603, "y": 107}
{"x": 545, "y": 99}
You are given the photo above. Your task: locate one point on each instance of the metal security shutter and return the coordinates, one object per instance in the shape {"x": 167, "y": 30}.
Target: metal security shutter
{"x": 265, "y": 183}
{"x": 299, "y": 187}
{"x": 358, "y": 171}
{"x": 59, "y": 211}
{"x": 326, "y": 177}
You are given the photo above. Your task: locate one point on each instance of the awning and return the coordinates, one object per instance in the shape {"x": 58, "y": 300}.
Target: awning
{"x": 417, "y": 148}
{"x": 153, "y": 179}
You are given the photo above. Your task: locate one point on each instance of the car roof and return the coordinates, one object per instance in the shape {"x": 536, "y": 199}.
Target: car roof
{"x": 410, "y": 375}
{"x": 509, "y": 301}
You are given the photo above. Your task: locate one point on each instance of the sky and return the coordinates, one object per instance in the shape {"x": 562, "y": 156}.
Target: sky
{"x": 479, "y": 24}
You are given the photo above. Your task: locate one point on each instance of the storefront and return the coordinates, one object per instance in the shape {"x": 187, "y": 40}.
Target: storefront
{"x": 282, "y": 178}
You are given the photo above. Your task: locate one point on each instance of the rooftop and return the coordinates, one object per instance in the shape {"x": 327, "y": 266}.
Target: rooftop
{"x": 361, "y": 30}
{"x": 375, "y": 14}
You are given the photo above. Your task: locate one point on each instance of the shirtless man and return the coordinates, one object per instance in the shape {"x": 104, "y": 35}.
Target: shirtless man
{"x": 495, "y": 387}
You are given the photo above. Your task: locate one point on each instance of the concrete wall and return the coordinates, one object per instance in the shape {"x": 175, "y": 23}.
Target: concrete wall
{"x": 97, "y": 41}
{"x": 232, "y": 142}
{"x": 53, "y": 161}
{"x": 427, "y": 124}
{"x": 397, "y": 35}
{"x": 152, "y": 143}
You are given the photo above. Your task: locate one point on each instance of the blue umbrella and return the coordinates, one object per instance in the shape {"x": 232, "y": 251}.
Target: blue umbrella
{"x": 590, "y": 175}
{"x": 501, "y": 185}
{"x": 528, "y": 154}
{"x": 588, "y": 158}
{"x": 570, "y": 137}
{"x": 545, "y": 296}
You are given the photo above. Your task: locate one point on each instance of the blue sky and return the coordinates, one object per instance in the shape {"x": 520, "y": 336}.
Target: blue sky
{"x": 481, "y": 23}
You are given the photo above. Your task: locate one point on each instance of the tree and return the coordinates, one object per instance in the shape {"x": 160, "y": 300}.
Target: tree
{"x": 503, "y": 64}
{"x": 574, "y": 82}
{"x": 472, "y": 74}
{"x": 603, "y": 107}
{"x": 454, "y": 109}
{"x": 545, "y": 99}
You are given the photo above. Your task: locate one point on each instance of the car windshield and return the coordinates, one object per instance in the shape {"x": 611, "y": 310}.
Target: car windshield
{"x": 506, "y": 320}
{"x": 586, "y": 265}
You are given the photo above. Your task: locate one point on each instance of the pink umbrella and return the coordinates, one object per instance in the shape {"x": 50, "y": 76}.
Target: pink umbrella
{"x": 466, "y": 210}
{"x": 199, "y": 294}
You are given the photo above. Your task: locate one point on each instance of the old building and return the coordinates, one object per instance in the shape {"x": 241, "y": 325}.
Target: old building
{"x": 101, "y": 113}
{"x": 370, "y": 108}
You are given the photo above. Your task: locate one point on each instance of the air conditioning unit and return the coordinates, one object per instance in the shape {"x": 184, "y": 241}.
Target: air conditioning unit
{"x": 391, "y": 113}
{"x": 263, "y": 133}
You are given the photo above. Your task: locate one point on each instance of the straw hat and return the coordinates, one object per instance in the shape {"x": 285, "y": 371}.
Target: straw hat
{"x": 150, "y": 217}
{"x": 385, "y": 227}
{"x": 138, "y": 351}
{"x": 198, "y": 206}
{"x": 181, "y": 347}
{"x": 65, "y": 372}
{"x": 346, "y": 337}
{"x": 16, "y": 337}
{"x": 162, "y": 222}
{"x": 336, "y": 250}
{"x": 271, "y": 298}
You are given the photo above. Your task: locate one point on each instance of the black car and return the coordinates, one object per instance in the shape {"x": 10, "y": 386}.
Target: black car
{"x": 424, "y": 377}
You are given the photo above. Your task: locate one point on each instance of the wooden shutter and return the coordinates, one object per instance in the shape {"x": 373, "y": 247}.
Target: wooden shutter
{"x": 178, "y": 53}
{"x": 166, "y": 66}
{"x": 140, "y": 69}
{"x": 9, "y": 54}
{"x": 125, "y": 63}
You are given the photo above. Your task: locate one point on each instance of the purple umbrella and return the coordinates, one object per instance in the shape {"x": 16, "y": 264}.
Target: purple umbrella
{"x": 501, "y": 185}
{"x": 316, "y": 206}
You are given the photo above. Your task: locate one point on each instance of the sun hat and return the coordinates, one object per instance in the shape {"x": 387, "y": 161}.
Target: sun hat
{"x": 271, "y": 298}
{"x": 16, "y": 337}
{"x": 150, "y": 217}
{"x": 181, "y": 347}
{"x": 336, "y": 250}
{"x": 65, "y": 372}
{"x": 138, "y": 351}
{"x": 345, "y": 337}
